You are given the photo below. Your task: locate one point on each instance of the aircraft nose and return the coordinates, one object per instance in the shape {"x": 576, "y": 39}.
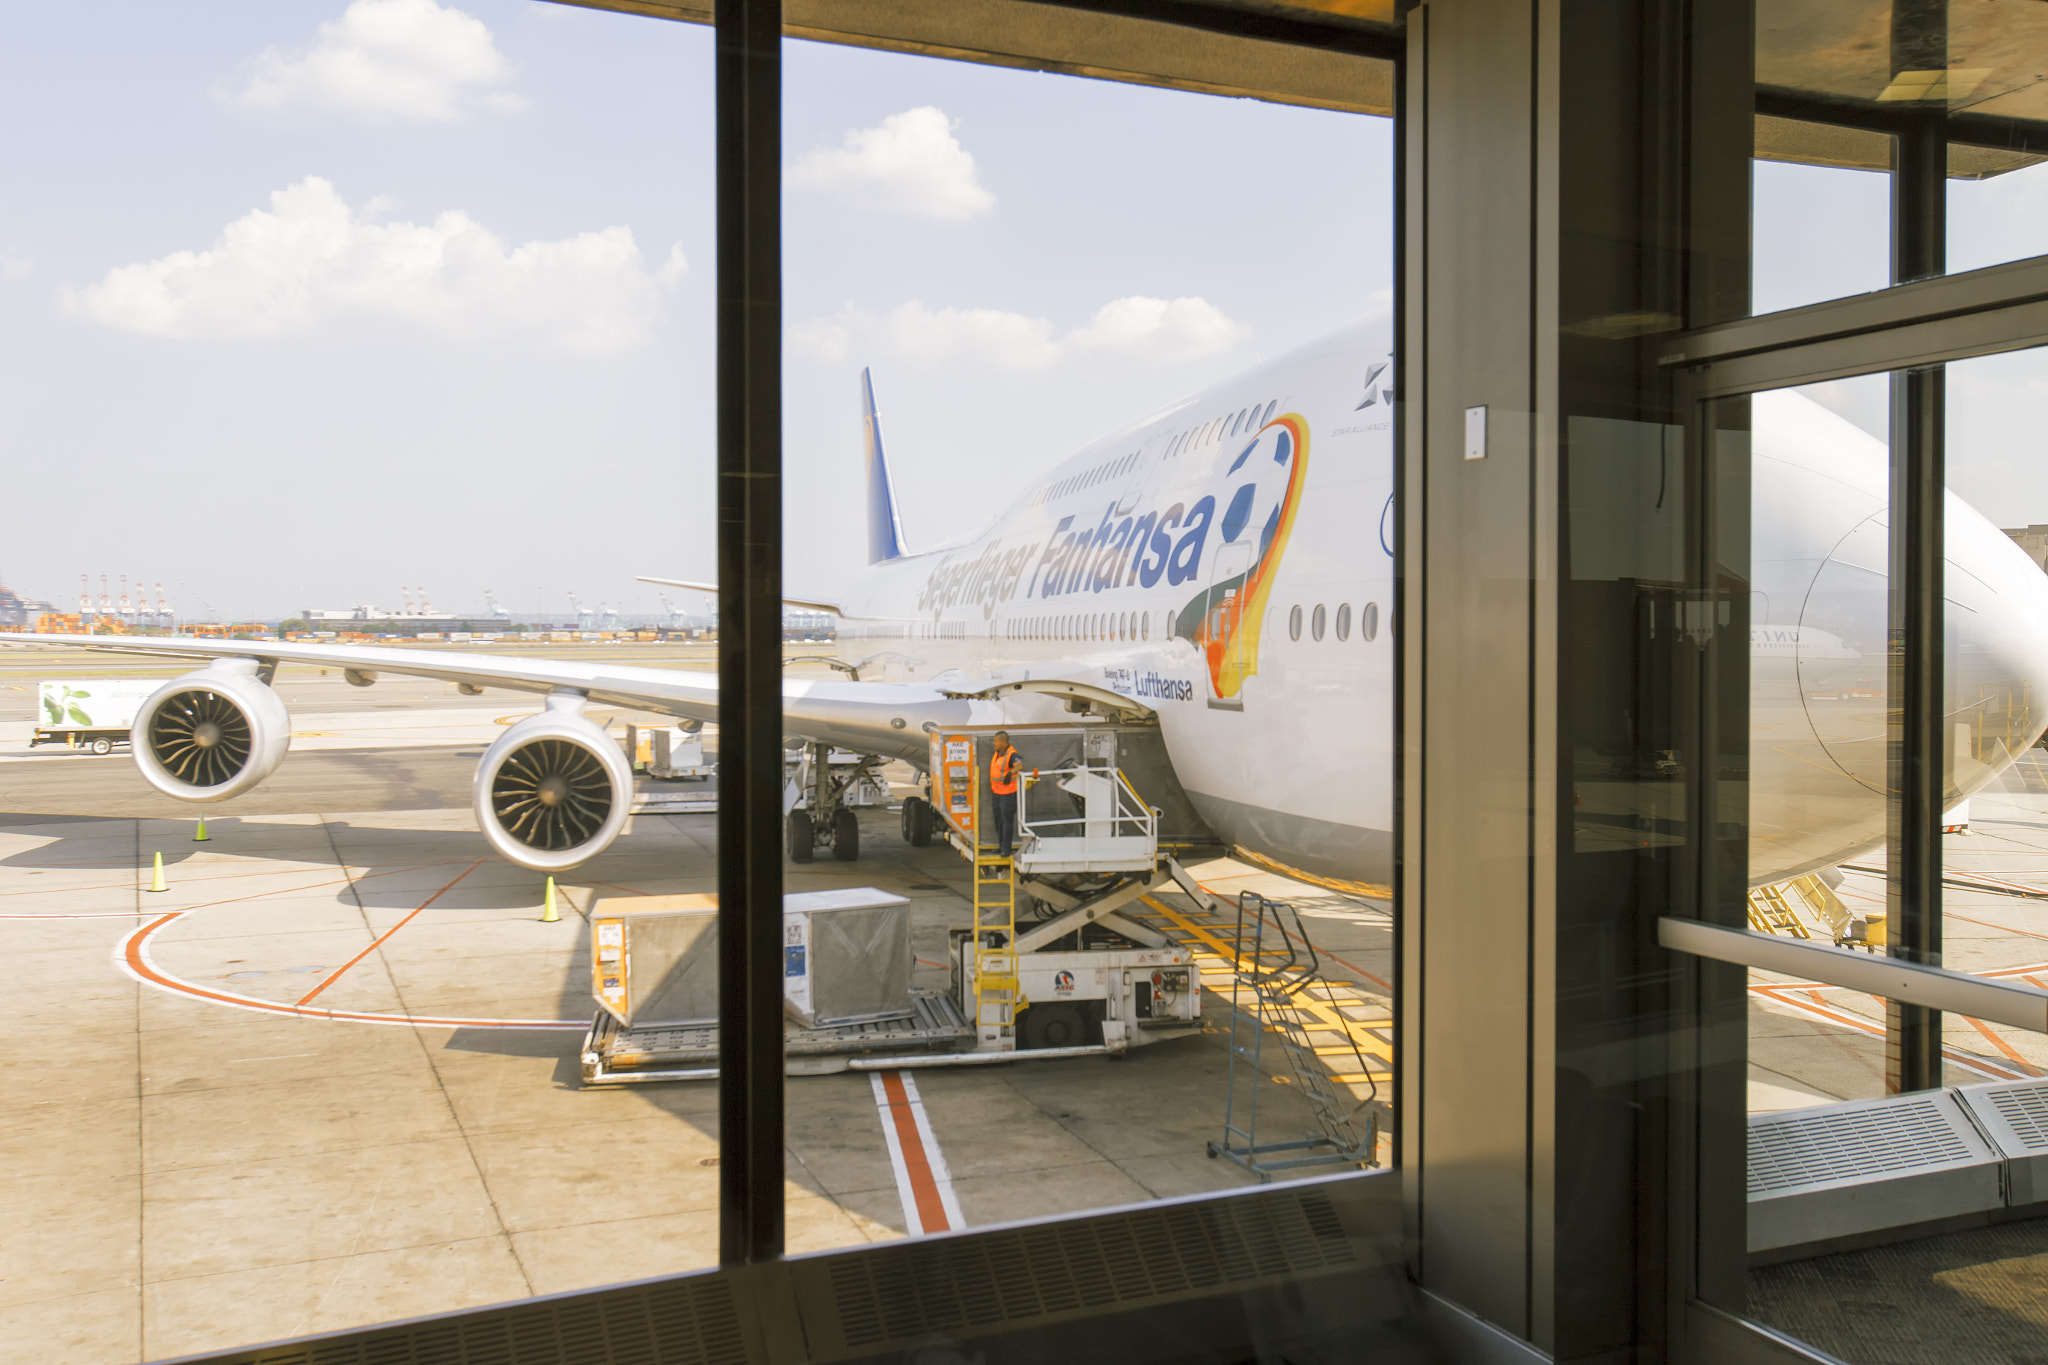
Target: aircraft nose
{"x": 1820, "y": 642}
{"x": 1997, "y": 638}
{"x": 1819, "y": 710}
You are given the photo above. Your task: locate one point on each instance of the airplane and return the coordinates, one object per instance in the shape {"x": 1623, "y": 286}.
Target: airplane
{"x": 1224, "y": 566}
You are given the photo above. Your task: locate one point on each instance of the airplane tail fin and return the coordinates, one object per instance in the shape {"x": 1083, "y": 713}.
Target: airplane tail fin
{"x": 885, "y": 525}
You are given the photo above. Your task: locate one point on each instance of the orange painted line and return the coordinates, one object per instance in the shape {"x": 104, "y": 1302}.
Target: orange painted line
{"x": 134, "y": 958}
{"x": 264, "y": 895}
{"x": 1987, "y": 924}
{"x": 1983, "y": 1066}
{"x": 2005, "y": 1047}
{"x": 931, "y": 1210}
{"x": 379, "y": 942}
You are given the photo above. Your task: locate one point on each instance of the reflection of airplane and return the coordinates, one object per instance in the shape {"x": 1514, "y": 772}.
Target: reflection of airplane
{"x": 1225, "y": 566}
{"x": 1818, "y": 720}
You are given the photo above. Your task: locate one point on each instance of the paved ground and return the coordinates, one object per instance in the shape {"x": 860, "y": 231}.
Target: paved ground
{"x": 206, "y": 1163}
{"x": 1813, "y": 1044}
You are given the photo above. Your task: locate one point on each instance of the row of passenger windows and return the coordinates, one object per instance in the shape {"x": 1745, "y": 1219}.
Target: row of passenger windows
{"x": 1077, "y": 482}
{"x": 1246, "y": 420}
{"x": 1137, "y": 625}
{"x": 908, "y": 630}
{"x": 1094, "y": 625}
{"x": 1223, "y": 428}
{"x": 1319, "y": 621}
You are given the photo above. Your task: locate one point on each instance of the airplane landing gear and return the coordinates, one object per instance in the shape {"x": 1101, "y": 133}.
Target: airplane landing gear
{"x": 822, "y": 816}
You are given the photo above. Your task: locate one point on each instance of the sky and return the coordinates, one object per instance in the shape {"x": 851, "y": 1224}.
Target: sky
{"x": 303, "y": 305}
{"x": 1821, "y": 233}
{"x": 313, "y": 303}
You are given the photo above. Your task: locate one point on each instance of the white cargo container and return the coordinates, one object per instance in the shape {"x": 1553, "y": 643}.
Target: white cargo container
{"x": 94, "y": 713}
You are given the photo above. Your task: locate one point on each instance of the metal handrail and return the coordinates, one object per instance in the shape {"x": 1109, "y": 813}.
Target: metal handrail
{"x": 1889, "y": 978}
{"x": 1144, "y": 817}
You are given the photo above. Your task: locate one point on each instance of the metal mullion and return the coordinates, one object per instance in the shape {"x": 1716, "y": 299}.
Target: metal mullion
{"x": 1944, "y": 299}
{"x": 2011, "y": 327}
{"x": 1915, "y": 673}
{"x": 748, "y": 65}
{"x": 1916, "y": 692}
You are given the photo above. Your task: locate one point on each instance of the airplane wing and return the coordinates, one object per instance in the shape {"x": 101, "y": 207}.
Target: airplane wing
{"x": 870, "y": 717}
{"x": 809, "y": 603}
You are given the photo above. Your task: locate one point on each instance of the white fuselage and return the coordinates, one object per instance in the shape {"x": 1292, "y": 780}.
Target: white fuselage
{"x": 1166, "y": 563}
{"x": 1229, "y": 563}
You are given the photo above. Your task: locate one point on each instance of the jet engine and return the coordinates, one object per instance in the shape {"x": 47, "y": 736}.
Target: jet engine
{"x": 212, "y": 734}
{"x": 554, "y": 790}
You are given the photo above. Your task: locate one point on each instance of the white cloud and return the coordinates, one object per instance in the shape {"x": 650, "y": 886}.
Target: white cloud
{"x": 389, "y": 59}
{"x": 909, "y": 163}
{"x": 1008, "y": 341}
{"x": 1146, "y": 328}
{"x": 309, "y": 258}
{"x": 1172, "y": 329}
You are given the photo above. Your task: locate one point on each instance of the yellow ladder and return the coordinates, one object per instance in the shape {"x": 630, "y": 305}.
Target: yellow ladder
{"x": 1771, "y": 912}
{"x": 998, "y": 994}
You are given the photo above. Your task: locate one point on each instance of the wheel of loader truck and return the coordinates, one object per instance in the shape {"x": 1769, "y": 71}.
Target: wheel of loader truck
{"x": 845, "y": 836}
{"x": 1055, "y": 1024}
{"x": 917, "y": 822}
{"x": 103, "y": 745}
{"x": 803, "y": 837}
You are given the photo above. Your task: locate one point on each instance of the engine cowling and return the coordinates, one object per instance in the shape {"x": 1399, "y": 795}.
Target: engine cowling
{"x": 554, "y": 790}
{"x": 212, "y": 734}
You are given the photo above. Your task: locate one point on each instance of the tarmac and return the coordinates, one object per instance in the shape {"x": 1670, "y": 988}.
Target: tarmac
{"x": 329, "y": 1077}
{"x": 1815, "y": 1044}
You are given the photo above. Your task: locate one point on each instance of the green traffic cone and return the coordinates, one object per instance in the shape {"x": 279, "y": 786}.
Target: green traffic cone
{"x": 202, "y": 836}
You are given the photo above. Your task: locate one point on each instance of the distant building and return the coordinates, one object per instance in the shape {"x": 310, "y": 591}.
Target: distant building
{"x": 809, "y": 625}
{"x": 2034, "y": 540}
{"x": 366, "y": 618}
{"x": 17, "y": 611}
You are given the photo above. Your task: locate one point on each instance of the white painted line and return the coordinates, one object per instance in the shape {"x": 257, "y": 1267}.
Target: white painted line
{"x": 924, "y": 1183}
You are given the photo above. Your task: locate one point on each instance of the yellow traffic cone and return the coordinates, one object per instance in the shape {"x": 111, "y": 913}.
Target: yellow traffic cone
{"x": 550, "y": 916}
{"x": 202, "y": 836}
{"x": 158, "y": 883}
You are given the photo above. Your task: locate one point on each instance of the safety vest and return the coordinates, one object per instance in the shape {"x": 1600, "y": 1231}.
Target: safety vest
{"x": 1002, "y": 773}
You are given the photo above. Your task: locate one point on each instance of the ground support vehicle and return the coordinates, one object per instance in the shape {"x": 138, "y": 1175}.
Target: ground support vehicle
{"x": 89, "y": 713}
{"x": 1047, "y": 967}
{"x": 668, "y": 753}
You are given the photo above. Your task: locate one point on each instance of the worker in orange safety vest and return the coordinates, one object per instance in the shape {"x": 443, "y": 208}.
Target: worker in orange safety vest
{"x": 1002, "y": 784}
